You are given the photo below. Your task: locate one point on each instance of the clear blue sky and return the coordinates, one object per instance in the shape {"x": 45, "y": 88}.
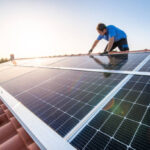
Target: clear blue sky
{"x": 48, "y": 27}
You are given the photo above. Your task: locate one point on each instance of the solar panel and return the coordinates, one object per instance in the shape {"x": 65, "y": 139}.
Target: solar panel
{"x": 64, "y": 98}
{"x": 4, "y": 67}
{"x": 59, "y": 101}
{"x": 40, "y": 61}
{"x": 11, "y": 72}
{"x": 110, "y": 62}
{"x": 123, "y": 123}
{"x": 26, "y": 80}
{"x": 146, "y": 67}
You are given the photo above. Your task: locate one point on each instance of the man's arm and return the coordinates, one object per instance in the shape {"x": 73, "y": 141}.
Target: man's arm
{"x": 93, "y": 46}
{"x": 110, "y": 44}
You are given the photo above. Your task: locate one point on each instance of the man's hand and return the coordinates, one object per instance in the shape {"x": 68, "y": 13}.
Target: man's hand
{"x": 104, "y": 53}
{"x": 90, "y": 51}
{"x": 93, "y": 46}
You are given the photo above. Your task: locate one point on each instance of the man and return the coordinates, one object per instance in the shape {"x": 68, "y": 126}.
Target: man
{"x": 115, "y": 36}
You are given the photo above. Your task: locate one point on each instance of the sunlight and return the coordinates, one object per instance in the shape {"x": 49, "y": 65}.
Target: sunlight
{"x": 30, "y": 38}
{"x": 29, "y": 35}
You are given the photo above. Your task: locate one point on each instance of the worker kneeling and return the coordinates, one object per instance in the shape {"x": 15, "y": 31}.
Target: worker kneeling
{"x": 115, "y": 36}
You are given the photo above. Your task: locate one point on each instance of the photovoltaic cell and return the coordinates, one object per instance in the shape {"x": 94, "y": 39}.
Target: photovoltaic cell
{"x": 124, "y": 121}
{"x": 126, "y": 131}
{"x": 143, "y": 98}
{"x": 146, "y": 119}
{"x": 99, "y": 141}
{"x": 121, "y": 93}
{"x": 61, "y": 98}
{"x": 141, "y": 140}
{"x": 137, "y": 112}
{"x": 146, "y": 67}
{"x": 115, "y": 145}
{"x": 132, "y": 96}
{"x": 99, "y": 119}
{"x": 83, "y": 138}
{"x": 111, "y": 124}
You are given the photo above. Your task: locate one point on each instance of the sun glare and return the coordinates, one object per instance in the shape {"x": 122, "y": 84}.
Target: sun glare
{"x": 30, "y": 38}
{"x": 30, "y": 35}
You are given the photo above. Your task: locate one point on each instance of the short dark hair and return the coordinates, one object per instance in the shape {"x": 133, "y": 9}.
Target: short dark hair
{"x": 101, "y": 26}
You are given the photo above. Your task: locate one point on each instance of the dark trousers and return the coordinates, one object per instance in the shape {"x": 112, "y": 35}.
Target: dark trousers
{"x": 121, "y": 44}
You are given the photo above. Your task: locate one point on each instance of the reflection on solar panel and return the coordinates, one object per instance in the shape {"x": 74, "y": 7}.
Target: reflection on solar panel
{"x": 40, "y": 61}
{"x": 13, "y": 72}
{"x": 125, "y": 124}
{"x": 62, "y": 102}
{"x": 65, "y": 99}
{"x": 3, "y": 67}
{"x": 111, "y": 62}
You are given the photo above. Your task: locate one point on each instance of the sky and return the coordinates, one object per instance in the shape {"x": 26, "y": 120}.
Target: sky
{"x": 31, "y": 28}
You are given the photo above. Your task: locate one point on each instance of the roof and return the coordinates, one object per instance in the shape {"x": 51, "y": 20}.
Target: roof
{"x": 81, "y": 102}
{"x": 12, "y": 134}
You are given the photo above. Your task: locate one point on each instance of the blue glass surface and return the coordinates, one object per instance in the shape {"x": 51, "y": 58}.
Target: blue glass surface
{"x": 110, "y": 62}
{"x": 123, "y": 122}
{"x": 61, "y": 97}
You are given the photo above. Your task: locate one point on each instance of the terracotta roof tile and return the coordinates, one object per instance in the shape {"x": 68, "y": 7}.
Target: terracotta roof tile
{"x": 12, "y": 134}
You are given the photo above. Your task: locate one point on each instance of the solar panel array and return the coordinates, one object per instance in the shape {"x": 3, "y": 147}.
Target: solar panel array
{"x": 70, "y": 99}
{"x": 62, "y": 98}
{"x": 124, "y": 123}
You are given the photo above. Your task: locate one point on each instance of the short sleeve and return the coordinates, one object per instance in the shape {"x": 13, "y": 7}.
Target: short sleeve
{"x": 99, "y": 37}
{"x": 112, "y": 33}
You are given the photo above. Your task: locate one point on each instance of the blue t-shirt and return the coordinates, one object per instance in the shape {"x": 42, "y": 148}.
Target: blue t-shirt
{"x": 113, "y": 31}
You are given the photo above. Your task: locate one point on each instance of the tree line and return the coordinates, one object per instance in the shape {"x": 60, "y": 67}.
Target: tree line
{"x": 2, "y": 60}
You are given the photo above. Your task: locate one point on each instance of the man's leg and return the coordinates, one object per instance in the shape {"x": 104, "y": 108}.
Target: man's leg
{"x": 123, "y": 45}
{"x": 113, "y": 47}
{"x": 105, "y": 48}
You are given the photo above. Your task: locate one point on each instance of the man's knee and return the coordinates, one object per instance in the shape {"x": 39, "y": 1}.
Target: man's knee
{"x": 124, "y": 47}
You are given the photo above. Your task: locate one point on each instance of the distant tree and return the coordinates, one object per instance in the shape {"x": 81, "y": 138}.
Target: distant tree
{"x": 2, "y": 60}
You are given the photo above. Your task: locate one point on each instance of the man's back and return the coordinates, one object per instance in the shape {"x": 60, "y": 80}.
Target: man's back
{"x": 118, "y": 33}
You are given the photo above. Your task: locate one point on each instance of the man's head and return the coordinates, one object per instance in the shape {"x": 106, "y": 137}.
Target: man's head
{"x": 101, "y": 29}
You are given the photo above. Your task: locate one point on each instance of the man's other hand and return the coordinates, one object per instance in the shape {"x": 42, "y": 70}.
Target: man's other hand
{"x": 104, "y": 53}
{"x": 90, "y": 51}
